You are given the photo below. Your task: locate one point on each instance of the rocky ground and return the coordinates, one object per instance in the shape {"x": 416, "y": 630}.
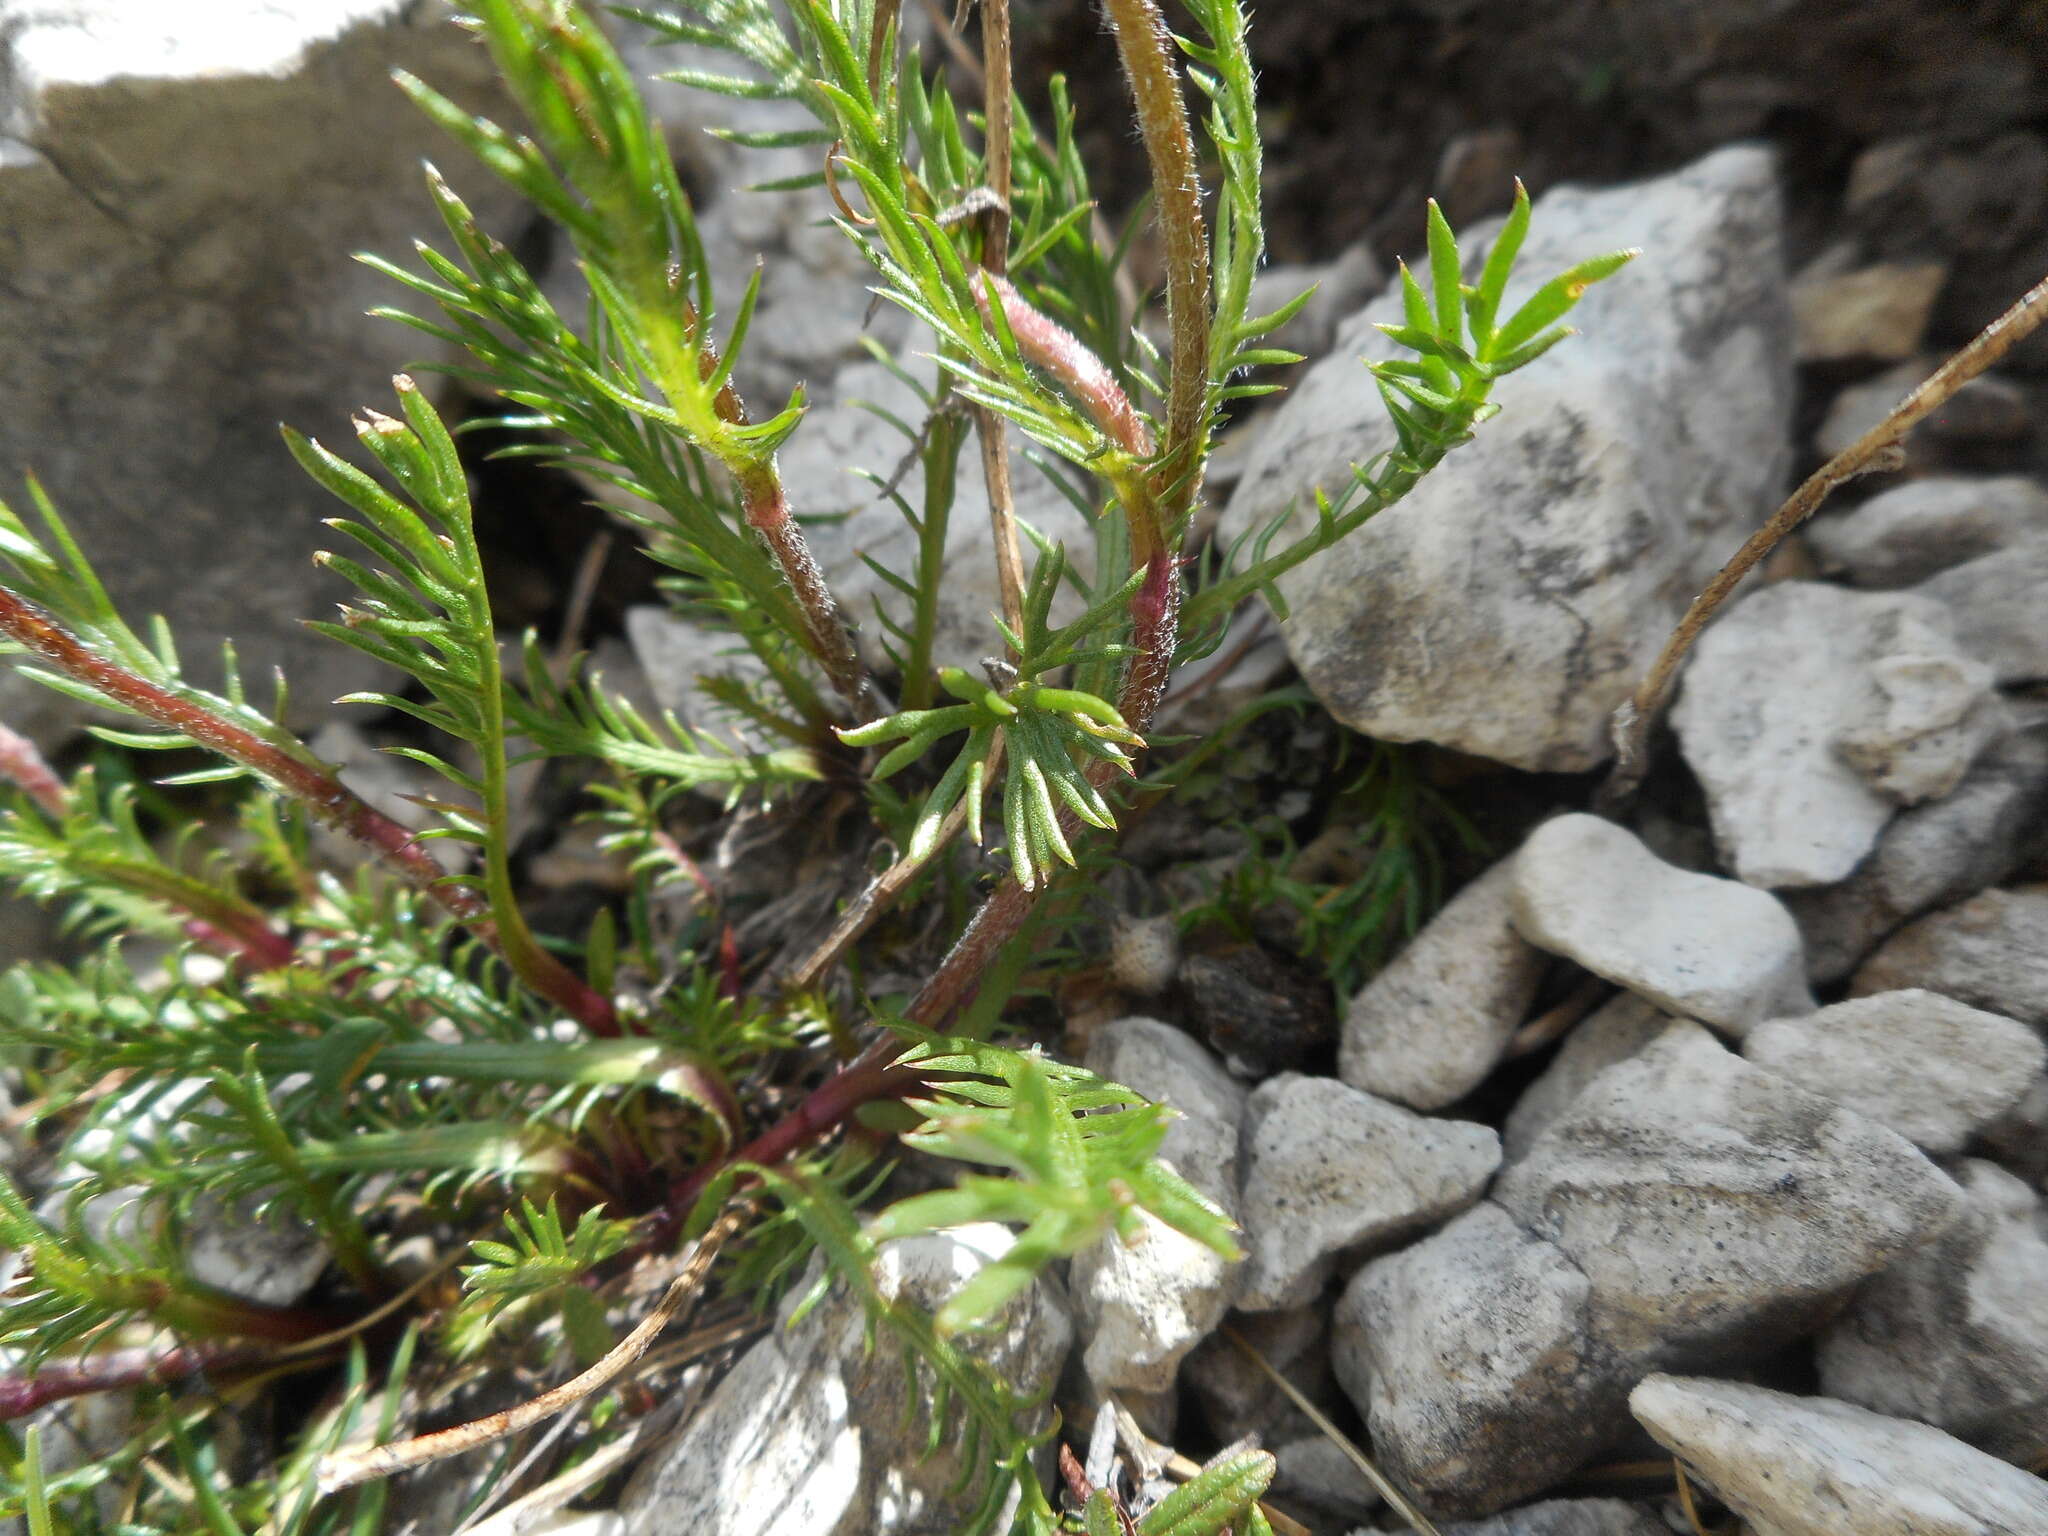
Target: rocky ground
{"x": 1715, "y": 1131}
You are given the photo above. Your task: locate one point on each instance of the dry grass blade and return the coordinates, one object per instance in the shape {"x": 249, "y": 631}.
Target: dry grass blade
{"x": 350, "y": 1468}
{"x": 1398, "y": 1501}
{"x": 1879, "y": 448}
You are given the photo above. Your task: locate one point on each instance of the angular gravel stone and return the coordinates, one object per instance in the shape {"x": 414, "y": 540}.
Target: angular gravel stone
{"x": 1933, "y": 1069}
{"x": 1998, "y": 609}
{"x": 1810, "y": 712}
{"x": 1955, "y": 1335}
{"x": 1873, "y": 312}
{"x": 811, "y": 1424}
{"x": 1613, "y": 1032}
{"x": 1990, "y": 952}
{"x": 1907, "y": 534}
{"x": 1714, "y": 950}
{"x": 1930, "y": 855}
{"x": 1512, "y": 601}
{"x": 1472, "y": 1357}
{"x": 1330, "y": 1170}
{"x": 1432, "y": 1024}
{"x": 1810, "y": 1466}
{"x": 1715, "y": 1206}
{"x": 1144, "y": 1304}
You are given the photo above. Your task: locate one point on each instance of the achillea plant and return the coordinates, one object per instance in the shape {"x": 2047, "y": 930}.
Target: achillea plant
{"x": 394, "y": 1051}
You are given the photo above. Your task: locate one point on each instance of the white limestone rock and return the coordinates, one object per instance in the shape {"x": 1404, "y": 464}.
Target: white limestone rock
{"x": 809, "y": 1432}
{"x": 182, "y": 191}
{"x": 1908, "y": 533}
{"x": 1956, "y": 1334}
{"x": 1933, "y": 1069}
{"x": 1473, "y": 1359}
{"x": 1718, "y": 951}
{"x": 1998, "y": 609}
{"x": 1715, "y": 1206}
{"x": 1432, "y": 1024}
{"x": 1810, "y": 1466}
{"x": 1990, "y": 952}
{"x": 1931, "y": 855}
{"x": 1330, "y": 1171}
{"x": 1144, "y": 1304}
{"x": 1810, "y": 712}
{"x": 1613, "y": 1032}
{"x": 1513, "y": 600}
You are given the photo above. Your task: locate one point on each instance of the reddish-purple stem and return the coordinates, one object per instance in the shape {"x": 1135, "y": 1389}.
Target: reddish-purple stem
{"x": 23, "y": 766}
{"x": 120, "y": 1369}
{"x": 1047, "y": 344}
{"x": 329, "y": 799}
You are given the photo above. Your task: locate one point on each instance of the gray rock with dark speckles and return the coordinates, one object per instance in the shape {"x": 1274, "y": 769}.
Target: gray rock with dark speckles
{"x": 181, "y": 192}
{"x": 1330, "y": 1170}
{"x": 1513, "y": 600}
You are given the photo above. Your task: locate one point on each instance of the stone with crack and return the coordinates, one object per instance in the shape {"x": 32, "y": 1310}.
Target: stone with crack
{"x": 810, "y": 1430}
{"x": 1330, "y": 1171}
{"x": 1810, "y": 1466}
{"x": 1513, "y": 600}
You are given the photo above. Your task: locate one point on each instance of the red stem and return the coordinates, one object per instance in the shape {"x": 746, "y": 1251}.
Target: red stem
{"x": 1047, "y": 344}
{"x": 120, "y": 1369}
{"x": 23, "y": 766}
{"x": 328, "y": 798}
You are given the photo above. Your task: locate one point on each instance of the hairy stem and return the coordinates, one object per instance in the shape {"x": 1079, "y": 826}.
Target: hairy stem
{"x": 1146, "y": 48}
{"x": 330, "y": 801}
{"x": 826, "y": 636}
{"x": 121, "y": 1369}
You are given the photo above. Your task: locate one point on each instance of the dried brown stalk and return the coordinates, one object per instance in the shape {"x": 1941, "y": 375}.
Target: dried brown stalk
{"x": 1879, "y": 448}
{"x": 350, "y": 1468}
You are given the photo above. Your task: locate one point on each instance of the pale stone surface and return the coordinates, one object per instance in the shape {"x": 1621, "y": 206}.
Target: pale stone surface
{"x": 1515, "y": 598}
{"x": 173, "y": 291}
{"x": 1330, "y": 1170}
{"x": 1794, "y": 1466}
{"x": 1910, "y": 532}
{"x": 1143, "y": 1305}
{"x": 1713, "y": 1205}
{"x": 1877, "y": 311}
{"x": 1933, "y": 1069}
{"x": 1990, "y": 952}
{"x": 1718, "y": 951}
{"x": 1998, "y": 608}
{"x": 1955, "y": 1335}
{"x": 1809, "y": 712}
{"x": 1431, "y": 1025}
{"x": 1930, "y": 855}
{"x": 1472, "y": 1357}
{"x": 1613, "y": 1032}
{"x": 809, "y": 1431}
{"x": 821, "y": 467}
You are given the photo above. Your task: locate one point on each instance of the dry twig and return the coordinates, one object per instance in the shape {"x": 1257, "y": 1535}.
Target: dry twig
{"x": 1877, "y": 449}
{"x": 353, "y": 1467}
